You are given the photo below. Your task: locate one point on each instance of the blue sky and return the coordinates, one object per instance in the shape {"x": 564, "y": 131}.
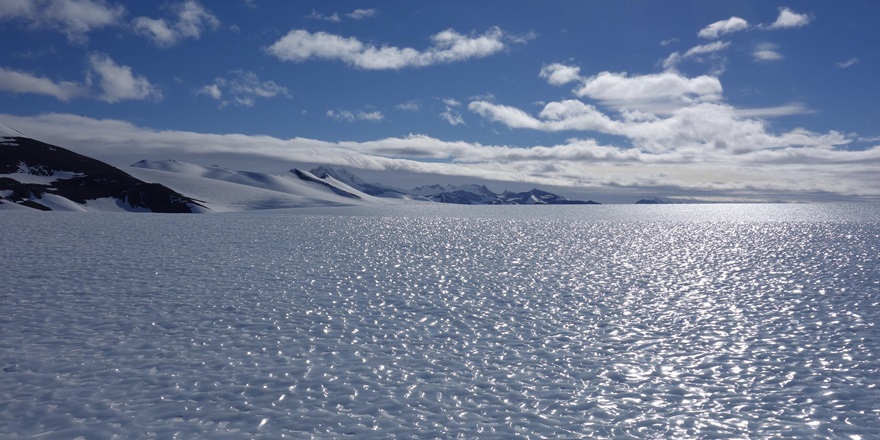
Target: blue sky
{"x": 747, "y": 100}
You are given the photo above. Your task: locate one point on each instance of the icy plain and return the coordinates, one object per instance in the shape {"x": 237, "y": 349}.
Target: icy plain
{"x": 712, "y": 321}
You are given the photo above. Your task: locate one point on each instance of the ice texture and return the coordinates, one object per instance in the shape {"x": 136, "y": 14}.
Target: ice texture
{"x": 401, "y": 326}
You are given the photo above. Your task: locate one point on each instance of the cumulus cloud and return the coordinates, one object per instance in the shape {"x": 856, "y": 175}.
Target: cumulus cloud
{"x": 790, "y": 19}
{"x": 698, "y": 120}
{"x": 559, "y": 74}
{"x": 447, "y": 47}
{"x": 105, "y": 80}
{"x": 118, "y": 83}
{"x": 360, "y": 14}
{"x": 190, "y": 20}
{"x": 652, "y": 91}
{"x": 75, "y": 18}
{"x": 556, "y": 116}
{"x": 655, "y": 92}
{"x": 723, "y": 27}
{"x": 19, "y": 82}
{"x": 242, "y": 88}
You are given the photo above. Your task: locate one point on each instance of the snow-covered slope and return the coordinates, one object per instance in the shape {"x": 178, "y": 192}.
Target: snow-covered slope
{"x": 348, "y": 178}
{"x": 222, "y": 189}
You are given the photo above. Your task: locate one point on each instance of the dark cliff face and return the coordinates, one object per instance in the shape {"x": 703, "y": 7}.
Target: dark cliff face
{"x": 84, "y": 179}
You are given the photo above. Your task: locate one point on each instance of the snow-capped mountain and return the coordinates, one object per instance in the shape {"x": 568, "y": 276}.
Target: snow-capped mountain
{"x": 653, "y": 201}
{"x": 37, "y": 175}
{"x": 350, "y": 179}
{"x": 467, "y": 194}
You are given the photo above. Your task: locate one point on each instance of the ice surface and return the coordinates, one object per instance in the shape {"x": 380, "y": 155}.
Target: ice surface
{"x": 263, "y": 325}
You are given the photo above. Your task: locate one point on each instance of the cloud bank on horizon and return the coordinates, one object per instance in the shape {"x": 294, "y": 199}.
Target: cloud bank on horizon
{"x": 726, "y": 116}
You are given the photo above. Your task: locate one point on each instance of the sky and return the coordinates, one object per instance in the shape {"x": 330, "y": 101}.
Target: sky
{"x": 609, "y": 101}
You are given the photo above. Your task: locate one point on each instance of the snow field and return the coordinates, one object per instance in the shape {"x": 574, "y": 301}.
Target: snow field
{"x": 273, "y": 325}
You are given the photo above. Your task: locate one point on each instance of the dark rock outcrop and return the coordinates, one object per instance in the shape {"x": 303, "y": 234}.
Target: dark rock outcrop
{"x": 79, "y": 179}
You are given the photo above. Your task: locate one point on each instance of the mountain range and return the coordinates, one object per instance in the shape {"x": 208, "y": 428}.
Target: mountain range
{"x": 37, "y": 175}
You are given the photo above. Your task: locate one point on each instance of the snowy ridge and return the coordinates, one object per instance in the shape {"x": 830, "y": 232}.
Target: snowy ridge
{"x": 224, "y": 190}
{"x": 350, "y": 179}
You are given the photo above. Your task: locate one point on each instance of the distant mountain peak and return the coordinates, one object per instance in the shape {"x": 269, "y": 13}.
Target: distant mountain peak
{"x": 653, "y": 201}
{"x": 464, "y": 194}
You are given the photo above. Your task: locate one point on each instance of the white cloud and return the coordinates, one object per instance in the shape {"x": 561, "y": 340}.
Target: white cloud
{"x": 659, "y": 92}
{"x": 190, "y": 20}
{"x": 349, "y": 116}
{"x": 212, "y": 90}
{"x": 795, "y": 108}
{"x": 242, "y": 88}
{"x": 559, "y": 74}
{"x": 622, "y": 91}
{"x": 22, "y": 82}
{"x": 410, "y": 106}
{"x": 700, "y": 126}
{"x": 357, "y": 14}
{"x": 76, "y": 18}
{"x": 790, "y": 19}
{"x": 447, "y": 47}
{"x": 450, "y": 114}
{"x": 452, "y": 117}
{"x": 374, "y": 116}
{"x": 767, "y": 55}
{"x": 360, "y": 14}
{"x": 157, "y": 29}
{"x": 848, "y": 63}
{"x": 114, "y": 83}
{"x": 556, "y": 116}
{"x": 723, "y": 27}
{"x": 674, "y": 58}
{"x": 707, "y": 48}
{"x": 767, "y": 52}
{"x": 119, "y": 83}
{"x": 315, "y": 15}
{"x": 341, "y": 115}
